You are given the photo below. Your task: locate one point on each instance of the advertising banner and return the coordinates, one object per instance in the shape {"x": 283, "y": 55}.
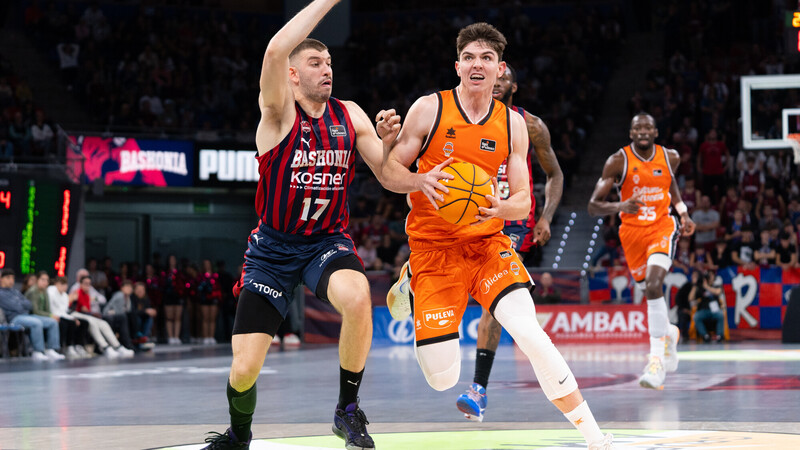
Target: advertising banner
{"x": 122, "y": 161}
{"x": 226, "y": 165}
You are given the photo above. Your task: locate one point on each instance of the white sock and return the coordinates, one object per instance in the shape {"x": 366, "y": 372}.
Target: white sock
{"x": 657, "y": 325}
{"x": 582, "y": 419}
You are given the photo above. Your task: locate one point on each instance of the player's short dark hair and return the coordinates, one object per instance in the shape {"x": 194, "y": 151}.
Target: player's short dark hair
{"x": 484, "y": 33}
{"x": 60, "y": 280}
{"x": 308, "y": 43}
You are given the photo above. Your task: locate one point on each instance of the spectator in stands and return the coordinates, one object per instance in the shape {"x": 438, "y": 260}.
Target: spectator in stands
{"x": 546, "y": 292}
{"x": 227, "y": 303}
{"x": 793, "y": 209}
{"x": 712, "y": 160}
{"x": 99, "y": 329}
{"x": 728, "y": 205}
{"x": 73, "y": 330}
{"x": 17, "y": 310}
{"x": 707, "y": 294}
{"x": 690, "y": 195}
{"x": 707, "y": 222}
{"x": 37, "y": 295}
{"x": 368, "y": 252}
{"x": 42, "y": 136}
{"x": 683, "y": 305}
{"x": 765, "y": 254}
{"x": 119, "y": 313}
{"x": 174, "y": 293}
{"x": 786, "y": 253}
{"x": 99, "y": 280}
{"x": 683, "y": 256}
{"x": 699, "y": 259}
{"x": 143, "y": 313}
{"x": 770, "y": 198}
{"x": 767, "y": 219}
{"x": 19, "y": 132}
{"x": 751, "y": 180}
{"x": 720, "y": 257}
{"x": 68, "y": 62}
{"x": 743, "y": 253}
{"x": 97, "y": 298}
{"x": 208, "y": 296}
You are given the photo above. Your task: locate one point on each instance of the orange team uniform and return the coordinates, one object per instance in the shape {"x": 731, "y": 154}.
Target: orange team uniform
{"x": 652, "y": 230}
{"x": 449, "y": 261}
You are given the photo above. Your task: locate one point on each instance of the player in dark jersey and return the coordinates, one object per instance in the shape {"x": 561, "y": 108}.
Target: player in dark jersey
{"x": 306, "y": 152}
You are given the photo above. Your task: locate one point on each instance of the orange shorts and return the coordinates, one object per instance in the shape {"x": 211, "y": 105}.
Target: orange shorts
{"x": 639, "y": 243}
{"x": 443, "y": 279}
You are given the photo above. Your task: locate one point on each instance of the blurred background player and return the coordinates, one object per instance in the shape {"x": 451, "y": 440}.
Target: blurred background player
{"x": 306, "y": 156}
{"x": 523, "y": 233}
{"x": 643, "y": 173}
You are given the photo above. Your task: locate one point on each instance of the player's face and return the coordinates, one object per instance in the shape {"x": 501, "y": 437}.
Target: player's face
{"x": 643, "y": 131}
{"x": 504, "y": 87}
{"x": 479, "y": 67}
{"x": 315, "y": 74}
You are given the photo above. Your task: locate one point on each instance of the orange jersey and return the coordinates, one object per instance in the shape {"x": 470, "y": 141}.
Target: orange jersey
{"x": 652, "y": 179}
{"x": 486, "y": 144}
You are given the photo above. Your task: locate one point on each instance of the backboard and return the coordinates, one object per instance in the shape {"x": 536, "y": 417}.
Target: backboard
{"x": 764, "y": 100}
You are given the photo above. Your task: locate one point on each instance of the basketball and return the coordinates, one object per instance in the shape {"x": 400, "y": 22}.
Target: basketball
{"x": 468, "y": 192}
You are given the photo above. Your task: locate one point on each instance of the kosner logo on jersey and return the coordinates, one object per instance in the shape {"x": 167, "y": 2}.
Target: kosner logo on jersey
{"x": 228, "y": 165}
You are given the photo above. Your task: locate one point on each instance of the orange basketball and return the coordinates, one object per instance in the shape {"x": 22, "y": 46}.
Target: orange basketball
{"x": 467, "y": 193}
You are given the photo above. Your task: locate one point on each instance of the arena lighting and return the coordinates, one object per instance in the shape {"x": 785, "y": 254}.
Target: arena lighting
{"x": 5, "y": 199}
{"x": 61, "y": 262}
{"x": 65, "y": 214}
{"x": 2, "y": 259}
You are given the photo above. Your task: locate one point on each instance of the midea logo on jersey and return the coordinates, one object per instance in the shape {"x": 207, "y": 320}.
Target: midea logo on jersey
{"x": 267, "y": 290}
{"x": 228, "y": 165}
{"x": 487, "y": 283}
{"x": 401, "y": 331}
{"x": 134, "y": 161}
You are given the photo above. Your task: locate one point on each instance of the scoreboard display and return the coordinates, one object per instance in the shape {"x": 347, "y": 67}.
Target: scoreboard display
{"x": 37, "y": 221}
{"x": 792, "y": 34}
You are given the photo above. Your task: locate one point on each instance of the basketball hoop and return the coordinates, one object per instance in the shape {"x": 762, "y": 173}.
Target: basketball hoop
{"x": 794, "y": 141}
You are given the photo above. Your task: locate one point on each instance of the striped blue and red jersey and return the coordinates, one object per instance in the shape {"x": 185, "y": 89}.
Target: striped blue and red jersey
{"x": 502, "y": 181}
{"x": 303, "y": 183}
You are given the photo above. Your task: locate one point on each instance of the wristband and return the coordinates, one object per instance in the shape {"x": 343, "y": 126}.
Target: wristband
{"x": 681, "y": 208}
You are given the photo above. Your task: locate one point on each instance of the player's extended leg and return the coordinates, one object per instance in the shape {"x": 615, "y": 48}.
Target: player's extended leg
{"x": 440, "y": 363}
{"x": 663, "y": 335}
{"x": 348, "y": 292}
{"x": 517, "y": 314}
{"x": 256, "y": 322}
{"x": 473, "y": 402}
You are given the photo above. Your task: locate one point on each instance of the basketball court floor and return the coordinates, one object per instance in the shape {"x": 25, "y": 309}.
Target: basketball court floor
{"x": 737, "y": 396}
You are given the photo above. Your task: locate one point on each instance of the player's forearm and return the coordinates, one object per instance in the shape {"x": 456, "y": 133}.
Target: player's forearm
{"x": 553, "y": 190}
{"x": 517, "y": 206}
{"x": 397, "y": 178}
{"x": 298, "y": 28}
{"x": 603, "y": 208}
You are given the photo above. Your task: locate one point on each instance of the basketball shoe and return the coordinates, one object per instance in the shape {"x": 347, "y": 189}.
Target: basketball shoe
{"x": 606, "y": 444}
{"x": 350, "y": 424}
{"x": 473, "y": 402}
{"x": 226, "y": 441}
{"x": 653, "y": 376}
{"x": 397, "y": 299}
{"x": 671, "y": 349}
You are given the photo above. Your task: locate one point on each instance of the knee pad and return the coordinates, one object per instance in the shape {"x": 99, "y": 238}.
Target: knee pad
{"x": 517, "y": 314}
{"x": 440, "y": 363}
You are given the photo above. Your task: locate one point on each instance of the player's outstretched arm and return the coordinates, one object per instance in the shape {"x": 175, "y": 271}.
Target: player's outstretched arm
{"x": 539, "y": 135}
{"x": 687, "y": 224}
{"x": 612, "y": 171}
{"x": 275, "y": 91}
{"x": 518, "y": 204}
{"x": 404, "y": 150}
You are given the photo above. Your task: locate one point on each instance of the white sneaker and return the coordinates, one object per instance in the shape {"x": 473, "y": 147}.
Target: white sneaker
{"x": 606, "y": 444}
{"x": 276, "y": 340}
{"x": 397, "y": 299}
{"x": 174, "y": 341}
{"x": 671, "y": 348}
{"x": 82, "y": 351}
{"x": 39, "y": 356}
{"x": 72, "y": 353}
{"x": 124, "y": 352}
{"x": 291, "y": 340}
{"x": 54, "y": 355}
{"x": 111, "y": 353}
{"x": 654, "y": 374}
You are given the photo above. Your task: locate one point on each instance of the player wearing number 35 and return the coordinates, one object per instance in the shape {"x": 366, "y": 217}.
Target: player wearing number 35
{"x": 306, "y": 154}
{"x": 643, "y": 173}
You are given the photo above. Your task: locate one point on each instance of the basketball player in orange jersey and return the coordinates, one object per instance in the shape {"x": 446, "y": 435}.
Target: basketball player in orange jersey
{"x": 449, "y": 262}
{"x": 473, "y": 403}
{"x": 643, "y": 173}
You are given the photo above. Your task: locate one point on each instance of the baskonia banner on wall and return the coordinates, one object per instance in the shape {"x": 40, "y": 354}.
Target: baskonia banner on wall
{"x": 132, "y": 162}
{"x": 755, "y": 299}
